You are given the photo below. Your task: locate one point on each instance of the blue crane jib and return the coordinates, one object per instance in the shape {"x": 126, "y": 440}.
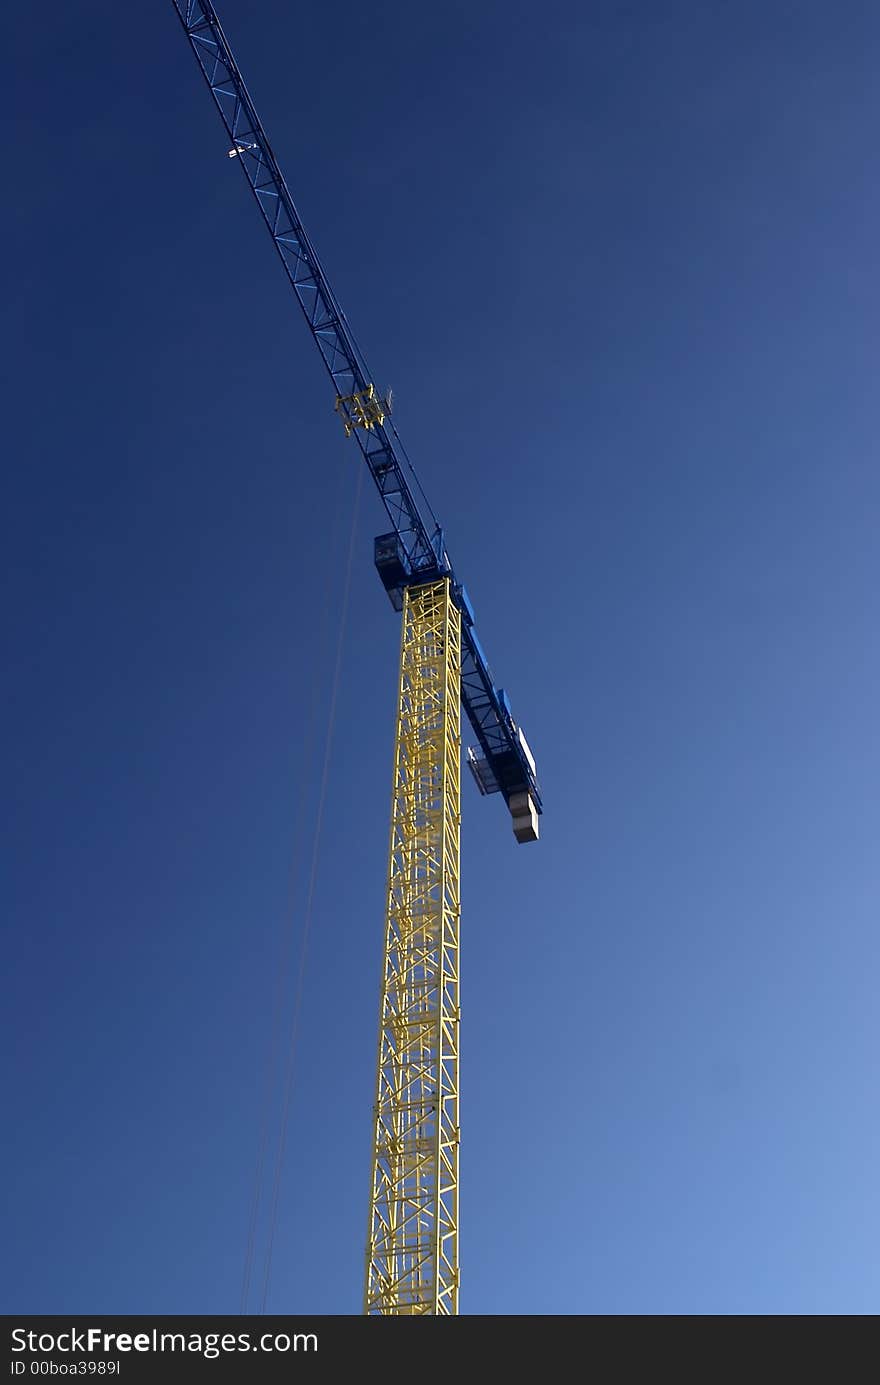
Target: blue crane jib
{"x": 413, "y": 551}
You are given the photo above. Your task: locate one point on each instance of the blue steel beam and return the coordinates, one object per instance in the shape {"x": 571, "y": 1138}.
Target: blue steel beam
{"x": 422, "y": 555}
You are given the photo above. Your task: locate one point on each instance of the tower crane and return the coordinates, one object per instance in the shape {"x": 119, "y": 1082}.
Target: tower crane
{"x": 412, "y": 1239}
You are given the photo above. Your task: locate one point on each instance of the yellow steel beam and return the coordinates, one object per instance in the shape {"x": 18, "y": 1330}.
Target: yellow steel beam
{"x": 412, "y": 1245}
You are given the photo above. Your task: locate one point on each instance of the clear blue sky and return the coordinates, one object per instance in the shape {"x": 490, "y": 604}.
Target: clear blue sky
{"x": 619, "y": 262}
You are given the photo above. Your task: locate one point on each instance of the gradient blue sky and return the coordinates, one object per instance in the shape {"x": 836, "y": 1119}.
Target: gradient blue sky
{"x": 619, "y": 262}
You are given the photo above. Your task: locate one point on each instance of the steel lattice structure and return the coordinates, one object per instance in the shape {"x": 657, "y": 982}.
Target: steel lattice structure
{"x": 412, "y": 1248}
{"x": 415, "y": 550}
{"x": 412, "y": 1251}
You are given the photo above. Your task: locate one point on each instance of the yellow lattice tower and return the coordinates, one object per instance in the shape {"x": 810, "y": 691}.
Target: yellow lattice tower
{"x": 412, "y": 1249}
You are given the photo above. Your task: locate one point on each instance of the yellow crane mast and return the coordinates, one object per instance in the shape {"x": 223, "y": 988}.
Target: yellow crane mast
{"x": 412, "y": 1247}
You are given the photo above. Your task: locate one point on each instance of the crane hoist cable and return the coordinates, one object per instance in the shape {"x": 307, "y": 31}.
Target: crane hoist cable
{"x": 292, "y": 914}
{"x": 310, "y": 892}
